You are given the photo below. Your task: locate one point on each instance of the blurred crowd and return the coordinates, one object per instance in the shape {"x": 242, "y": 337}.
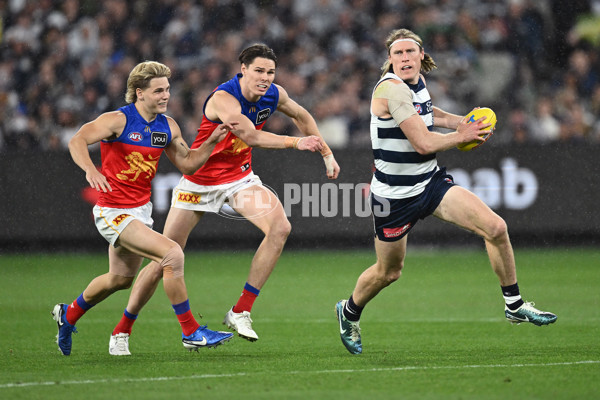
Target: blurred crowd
{"x": 63, "y": 62}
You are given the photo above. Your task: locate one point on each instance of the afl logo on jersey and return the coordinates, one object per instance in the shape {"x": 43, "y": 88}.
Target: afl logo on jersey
{"x": 136, "y": 137}
{"x": 262, "y": 115}
{"x": 159, "y": 139}
{"x": 419, "y": 109}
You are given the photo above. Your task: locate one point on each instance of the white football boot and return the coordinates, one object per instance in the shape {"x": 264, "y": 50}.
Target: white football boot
{"x": 241, "y": 323}
{"x": 119, "y": 345}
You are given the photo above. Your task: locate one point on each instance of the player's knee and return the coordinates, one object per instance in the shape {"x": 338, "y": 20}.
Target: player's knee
{"x": 155, "y": 270}
{"x": 498, "y": 230}
{"x": 118, "y": 282}
{"x": 391, "y": 273}
{"x": 388, "y": 278}
{"x": 285, "y": 229}
{"x": 172, "y": 263}
{"x": 281, "y": 230}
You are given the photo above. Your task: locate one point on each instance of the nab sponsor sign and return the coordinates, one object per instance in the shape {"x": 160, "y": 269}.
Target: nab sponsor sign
{"x": 511, "y": 187}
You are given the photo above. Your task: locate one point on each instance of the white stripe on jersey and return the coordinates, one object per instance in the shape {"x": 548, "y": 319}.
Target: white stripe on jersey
{"x": 402, "y": 145}
{"x": 407, "y": 168}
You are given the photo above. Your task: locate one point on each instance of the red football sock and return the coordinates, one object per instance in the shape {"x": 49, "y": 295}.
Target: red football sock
{"x": 188, "y": 322}
{"x": 76, "y": 310}
{"x": 245, "y": 302}
{"x": 125, "y": 325}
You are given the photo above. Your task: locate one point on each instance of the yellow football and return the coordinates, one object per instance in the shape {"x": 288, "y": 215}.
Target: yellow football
{"x": 490, "y": 118}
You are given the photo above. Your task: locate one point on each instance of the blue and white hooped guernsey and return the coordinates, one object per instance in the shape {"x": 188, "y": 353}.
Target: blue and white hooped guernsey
{"x": 400, "y": 171}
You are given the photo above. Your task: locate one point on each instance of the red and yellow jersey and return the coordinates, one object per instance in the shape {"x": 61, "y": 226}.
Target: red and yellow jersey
{"x": 129, "y": 162}
{"x": 231, "y": 158}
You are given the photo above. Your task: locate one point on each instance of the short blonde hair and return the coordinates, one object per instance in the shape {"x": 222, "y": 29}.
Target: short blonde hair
{"x": 427, "y": 64}
{"x": 141, "y": 75}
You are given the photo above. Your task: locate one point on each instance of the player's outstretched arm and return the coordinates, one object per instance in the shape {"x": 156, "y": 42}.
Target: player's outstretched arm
{"x": 224, "y": 107}
{"x": 308, "y": 126}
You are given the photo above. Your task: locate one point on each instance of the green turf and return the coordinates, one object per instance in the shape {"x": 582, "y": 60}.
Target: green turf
{"x": 437, "y": 333}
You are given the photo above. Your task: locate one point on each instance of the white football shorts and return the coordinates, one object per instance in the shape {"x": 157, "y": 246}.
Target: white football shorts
{"x": 189, "y": 196}
{"x": 110, "y": 222}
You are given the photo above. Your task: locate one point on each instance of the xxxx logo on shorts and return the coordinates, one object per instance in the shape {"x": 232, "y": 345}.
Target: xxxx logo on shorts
{"x": 188, "y": 198}
{"x": 120, "y": 218}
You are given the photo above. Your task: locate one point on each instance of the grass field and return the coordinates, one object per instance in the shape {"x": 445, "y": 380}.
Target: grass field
{"x": 437, "y": 333}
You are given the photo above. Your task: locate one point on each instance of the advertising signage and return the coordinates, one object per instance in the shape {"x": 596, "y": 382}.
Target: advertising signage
{"x": 546, "y": 194}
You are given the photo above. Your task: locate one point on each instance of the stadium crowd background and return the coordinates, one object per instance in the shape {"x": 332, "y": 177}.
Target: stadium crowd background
{"x": 536, "y": 63}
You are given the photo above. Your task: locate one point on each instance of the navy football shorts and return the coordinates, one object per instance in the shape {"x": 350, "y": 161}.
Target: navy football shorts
{"x": 394, "y": 218}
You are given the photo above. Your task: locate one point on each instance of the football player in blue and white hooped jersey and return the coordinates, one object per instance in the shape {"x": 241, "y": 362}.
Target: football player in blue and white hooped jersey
{"x": 408, "y": 185}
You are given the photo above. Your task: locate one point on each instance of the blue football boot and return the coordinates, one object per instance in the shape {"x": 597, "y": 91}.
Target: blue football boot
{"x": 527, "y": 313}
{"x": 204, "y": 337}
{"x": 65, "y": 329}
{"x": 349, "y": 330}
